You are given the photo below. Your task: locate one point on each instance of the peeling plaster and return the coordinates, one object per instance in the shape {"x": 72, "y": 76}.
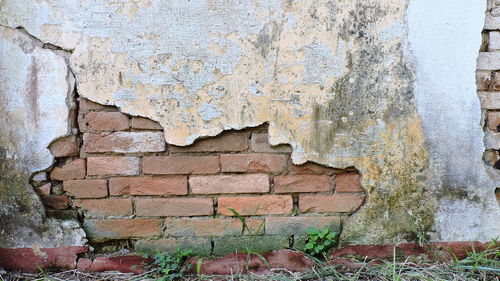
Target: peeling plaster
{"x": 345, "y": 83}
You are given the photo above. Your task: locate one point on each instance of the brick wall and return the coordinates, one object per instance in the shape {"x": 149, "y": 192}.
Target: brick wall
{"x": 488, "y": 85}
{"x": 126, "y": 185}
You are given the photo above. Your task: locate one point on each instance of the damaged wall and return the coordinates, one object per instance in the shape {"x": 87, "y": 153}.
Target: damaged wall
{"x": 371, "y": 85}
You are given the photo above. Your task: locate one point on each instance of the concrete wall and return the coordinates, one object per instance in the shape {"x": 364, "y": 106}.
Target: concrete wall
{"x": 385, "y": 88}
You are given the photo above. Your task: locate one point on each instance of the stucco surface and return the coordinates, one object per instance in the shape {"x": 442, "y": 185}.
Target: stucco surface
{"x": 345, "y": 83}
{"x": 34, "y": 90}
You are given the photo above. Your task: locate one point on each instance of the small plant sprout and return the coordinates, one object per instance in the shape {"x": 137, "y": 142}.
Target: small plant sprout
{"x": 167, "y": 267}
{"x": 319, "y": 241}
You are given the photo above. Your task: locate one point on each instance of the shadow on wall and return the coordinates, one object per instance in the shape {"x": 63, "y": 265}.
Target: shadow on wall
{"x": 129, "y": 189}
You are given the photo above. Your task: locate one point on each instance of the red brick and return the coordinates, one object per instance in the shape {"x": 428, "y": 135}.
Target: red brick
{"x": 311, "y": 168}
{"x": 144, "y": 124}
{"x": 493, "y": 120}
{"x": 64, "y": 147}
{"x": 228, "y": 142}
{"x": 101, "y": 166}
{"x": 105, "y": 121}
{"x": 256, "y": 205}
{"x": 85, "y": 105}
{"x": 102, "y": 230}
{"x": 105, "y": 207}
{"x": 337, "y": 203}
{"x": 266, "y": 163}
{"x": 495, "y": 81}
{"x": 253, "y": 183}
{"x": 301, "y": 183}
{"x": 166, "y": 207}
{"x": 171, "y": 165}
{"x": 44, "y": 190}
{"x": 124, "y": 142}
{"x": 60, "y": 202}
{"x": 208, "y": 226}
{"x": 148, "y": 186}
{"x": 483, "y": 80}
{"x": 95, "y": 188}
{"x": 125, "y": 264}
{"x": 259, "y": 143}
{"x": 69, "y": 171}
{"x": 348, "y": 182}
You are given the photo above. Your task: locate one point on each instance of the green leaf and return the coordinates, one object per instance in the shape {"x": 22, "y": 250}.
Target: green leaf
{"x": 309, "y": 245}
{"x": 325, "y": 231}
{"x": 328, "y": 243}
{"x": 312, "y": 230}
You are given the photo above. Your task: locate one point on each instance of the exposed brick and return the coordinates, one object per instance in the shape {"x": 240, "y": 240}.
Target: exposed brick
{"x": 259, "y": 143}
{"x": 171, "y": 165}
{"x": 266, "y": 163}
{"x": 483, "y": 80}
{"x": 101, "y": 166}
{"x": 252, "y": 183}
{"x": 105, "y": 207}
{"x": 488, "y": 61}
{"x": 124, "y": 142}
{"x": 60, "y": 202}
{"x": 495, "y": 81}
{"x": 311, "y": 168}
{"x": 302, "y": 183}
{"x": 494, "y": 40}
{"x": 209, "y": 226}
{"x": 228, "y": 142}
{"x": 337, "y": 203}
{"x": 64, "y": 147}
{"x": 95, "y": 188}
{"x": 348, "y": 182}
{"x": 101, "y": 230}
{"x": 44, "y": 190}
{"x": 148, "y": 186}
{"x": 85, "y": 105}
{"x": 199, "y": 246}
{"x": 69, "y": 171}
{"x": 298, "y": 225}
{"x": 256, "y": 205}
{"x": 174, "y": 207}
{"x": 493, "y": 120}
{"x": 491, "y": 22}
{"x": 104, "y": 121}
{"x": 144, "y": 124}
{"x": 489, "y": 100}
{"x": 241, "y": 244}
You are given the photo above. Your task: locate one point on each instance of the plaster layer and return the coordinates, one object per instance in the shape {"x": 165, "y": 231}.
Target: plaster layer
{"x": 334, "y": 79}
{"x": 35, "y": 87}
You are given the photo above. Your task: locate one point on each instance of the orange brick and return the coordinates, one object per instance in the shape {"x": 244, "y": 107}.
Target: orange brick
{"x": 228, "y": 142}
{"x": 493, "y": 120}
{"x": 259, "y": 143}
{"x": 483, "y": 80}
{"x": 95, "y": 188}
{"x": 311, "y": 168}
{"x": 105, "y": 207}
{"x": 60, "y": 202}
{"x": 105, "y": 121}
{"x": 171, "y": 165}
{"x": 144, "y": 124}
{"x": 64, "y": 147}
{"x": 337, "y": 203}
{"x": 253, "y": 183}
{"x": 69, "y": 171}
{"x": 148, "y": 186}
{"x": 101, "y": 166}
{"x": 208, "y": 226}
{"x": 266, "y": 163}
{"x": 348, "y": 182}
{"x": 301, "y": 183}
{"x": 124, "y": 142}
{"x": 101, "y": 230}
{"x": 256, "y": 205}
{"x": 85, "y": 105}
{"x": 44, "y": 190}
{"x": 495, "y": 81}
{"x": 176, "y": 207}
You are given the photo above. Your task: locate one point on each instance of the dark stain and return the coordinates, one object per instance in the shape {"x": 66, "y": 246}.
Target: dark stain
{"x": 31, "y": 97}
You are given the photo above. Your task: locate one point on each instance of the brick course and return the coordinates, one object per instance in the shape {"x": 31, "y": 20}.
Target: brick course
{"x": 145, "y": 185}
{"x": 253, "y": 205}
{"x": 168, "y": 207}
{"x": 102, "y": 166}
{"x": 178, "y": 165}
{"x": 256, "y": 183}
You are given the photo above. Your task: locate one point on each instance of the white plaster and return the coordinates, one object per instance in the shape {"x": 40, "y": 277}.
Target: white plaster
{"x": 445, "y": 43}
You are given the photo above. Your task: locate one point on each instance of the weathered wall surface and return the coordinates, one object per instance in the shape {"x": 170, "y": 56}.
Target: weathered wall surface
{"x": 35, "y": 88}
{"x": 374, "y": 85}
